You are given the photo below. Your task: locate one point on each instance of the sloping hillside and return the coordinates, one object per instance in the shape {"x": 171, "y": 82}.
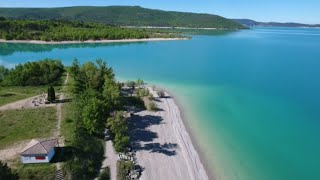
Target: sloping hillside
{"x": 123, "y": 16}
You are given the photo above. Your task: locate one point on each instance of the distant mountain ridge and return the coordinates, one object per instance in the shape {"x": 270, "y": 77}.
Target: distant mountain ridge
{"x": 249, "y": 23}
{"x": 123, "y": 16}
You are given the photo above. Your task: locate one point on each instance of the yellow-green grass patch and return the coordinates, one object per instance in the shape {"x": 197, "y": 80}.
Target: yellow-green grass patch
{"x": 19, "y": 125}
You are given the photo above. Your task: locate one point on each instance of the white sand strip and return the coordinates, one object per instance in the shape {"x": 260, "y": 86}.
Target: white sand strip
{"x": 164, "y": 149}
{"x": 89, "y": 41}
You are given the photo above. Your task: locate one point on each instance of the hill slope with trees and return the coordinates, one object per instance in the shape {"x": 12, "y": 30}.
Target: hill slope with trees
{"x": 123, "y": 16}
{"x": 62, "y": 30}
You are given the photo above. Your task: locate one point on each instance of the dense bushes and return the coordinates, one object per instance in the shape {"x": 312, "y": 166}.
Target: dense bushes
{"x": 124, "y": 167}
{"x": 6, "y": 173}
{"x": 32, "y": 73}
{"x": 96, "y": 94}
{"x": 118, "y": 126}
{"x": 59, "y": 30}
{"x": 105, "y": 174}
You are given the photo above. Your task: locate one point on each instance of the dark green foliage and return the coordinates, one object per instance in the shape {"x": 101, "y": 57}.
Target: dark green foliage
{"x": 3, "y": 72}
{"x": 139, "y": 82}
{"x": 36, "y": 171}
{"x": 33, "y": 73}
{"x": 132, "y": 85}
{"x": 51, "y": 94}
{"x": 161, "y": 94}
{"x": 124, "y": 167}
{"x": 60, "y": 30}
{"x": 143, "y": 92}
{"x": 123, "y": 16}
{"x": 91, "y": 75}
{"x": 105, "y": 174}
{"x": 152, "y": 106}
{"x": 87, "y": 156}
{"x": 133, "y": 101}
{"x": 92, "y": 111}
{"x": 6, "y": 173}
{"x": 96, "y": 95}
{"x": 118, "y": 126}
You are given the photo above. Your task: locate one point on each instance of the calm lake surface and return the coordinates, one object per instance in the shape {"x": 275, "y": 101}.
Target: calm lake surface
{"x": 250, "y": 97}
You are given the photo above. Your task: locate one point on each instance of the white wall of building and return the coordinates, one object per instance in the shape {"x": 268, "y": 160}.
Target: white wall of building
{"x": 32, "y": 158}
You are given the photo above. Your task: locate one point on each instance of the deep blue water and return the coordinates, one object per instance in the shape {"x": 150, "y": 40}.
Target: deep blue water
{"x": 251, "y": 97}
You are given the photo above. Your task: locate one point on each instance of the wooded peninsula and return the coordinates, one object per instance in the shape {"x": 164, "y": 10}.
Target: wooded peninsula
{"x": 63, "y": 30}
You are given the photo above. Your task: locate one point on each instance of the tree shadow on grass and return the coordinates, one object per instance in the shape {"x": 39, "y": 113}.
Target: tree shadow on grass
{"x": 62, "y": 154}
{"x": 66, "y": 100}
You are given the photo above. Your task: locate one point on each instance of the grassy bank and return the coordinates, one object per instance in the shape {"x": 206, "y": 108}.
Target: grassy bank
{"x": 33, "y": 171}
{"x": 19, "y": 125}
{"x": 69, "y": 111}
{"x": 15, "y": 93}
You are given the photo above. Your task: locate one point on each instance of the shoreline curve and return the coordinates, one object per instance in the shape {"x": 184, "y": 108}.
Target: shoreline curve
{"x": 90, "y": 41}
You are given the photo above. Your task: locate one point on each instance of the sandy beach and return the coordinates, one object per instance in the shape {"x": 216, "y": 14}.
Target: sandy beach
{"x": 164, "y": 147}
{"x": 89, "y": 41}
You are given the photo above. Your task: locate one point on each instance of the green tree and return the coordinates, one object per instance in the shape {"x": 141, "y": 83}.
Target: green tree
{"x": 51, "y": 94}
{"x": 105, "y": 174}
{"x": 132, "y": 85}
{"x": 6, "y": 173}
{"x": 75, "y": 68}
{"x": 118, "y": 126}
{"x": 124, "y": 167}
{"x": 111, "y": 93}
{"x": 121, "y": 141}
{"x": 42, "y": 72}
{"x": 139, "y": 83}
{"x": 161, "y": 94}
{"x": 3, "y": 72}
{"x": 92, "y": 111}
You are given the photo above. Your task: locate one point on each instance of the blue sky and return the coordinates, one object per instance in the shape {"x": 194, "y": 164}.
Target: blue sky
{"x": 304, "y": 11}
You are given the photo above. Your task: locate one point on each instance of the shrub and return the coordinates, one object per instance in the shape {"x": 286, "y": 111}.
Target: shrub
{"x": 6, "y": 173}
{"x": 152, "y": 106}
{"x": 161, "y": 94}
{"x": 105, "y": 174}
{"x": 143, "y": 93}
{"x": 124, "y": 167}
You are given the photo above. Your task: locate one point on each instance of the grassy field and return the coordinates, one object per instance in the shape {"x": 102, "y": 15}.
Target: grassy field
{"x": 68, "y": 125}
{"x": 33, "y": 171}
{"x": 18, "y": 125}
{"x": 15, "y": 93}
{"x": 68, "y": 114}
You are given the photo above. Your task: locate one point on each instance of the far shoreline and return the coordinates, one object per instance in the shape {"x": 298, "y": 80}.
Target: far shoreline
{"x": 91, "y": 41}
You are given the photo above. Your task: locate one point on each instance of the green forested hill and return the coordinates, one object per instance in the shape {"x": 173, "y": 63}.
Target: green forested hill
{"x": 123, "y": 16}
{"x": 62, "y": 30}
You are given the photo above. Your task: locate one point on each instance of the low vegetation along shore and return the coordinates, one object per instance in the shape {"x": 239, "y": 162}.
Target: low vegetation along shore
{"x": 106, "y": 129}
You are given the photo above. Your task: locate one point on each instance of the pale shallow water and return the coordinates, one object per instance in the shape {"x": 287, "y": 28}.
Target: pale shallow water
{"x": 250, "y": 97}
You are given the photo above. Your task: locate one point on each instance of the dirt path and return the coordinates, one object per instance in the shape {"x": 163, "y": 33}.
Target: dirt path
{"x": 12, "y": 151}
{"x": 57, "y": 133}
{"x": 59, "y": 113}
{"x": 111, "y": 159}
{"x": 26, "y": 104}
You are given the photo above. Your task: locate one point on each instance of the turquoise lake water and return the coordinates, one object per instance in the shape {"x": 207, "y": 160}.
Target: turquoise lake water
{"x": 250, "y": 97}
